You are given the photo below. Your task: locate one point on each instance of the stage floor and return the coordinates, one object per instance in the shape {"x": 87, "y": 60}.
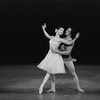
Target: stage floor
{"x": 21, "y": 82}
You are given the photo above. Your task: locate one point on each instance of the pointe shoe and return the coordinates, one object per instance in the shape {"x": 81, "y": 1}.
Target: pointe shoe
{"x": 40, "y": 90}
{"x": 80, "y": 90}
{"x": 51, "y": 90}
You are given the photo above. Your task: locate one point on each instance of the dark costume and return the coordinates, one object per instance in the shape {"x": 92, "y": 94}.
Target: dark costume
{"x": 64, "y": 47}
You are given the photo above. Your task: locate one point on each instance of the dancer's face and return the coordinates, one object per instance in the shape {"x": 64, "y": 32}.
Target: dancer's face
{"x": 59, "y": 31}
{"x": 68, "y": 31}
{"x": 68, "y": 35}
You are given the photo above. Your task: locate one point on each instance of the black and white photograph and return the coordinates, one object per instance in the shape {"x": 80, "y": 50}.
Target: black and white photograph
{"x": 49, "y": 49}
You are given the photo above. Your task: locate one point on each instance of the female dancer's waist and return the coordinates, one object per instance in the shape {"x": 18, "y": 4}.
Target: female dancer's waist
{"x": 53, "y": 52}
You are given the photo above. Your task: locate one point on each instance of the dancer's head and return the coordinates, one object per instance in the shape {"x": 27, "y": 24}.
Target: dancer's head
{"x": 71, "y": 32}
{"x": 68, "y": 34}
{"x": 59, "y": 31}
{"x": 68, "y": 31}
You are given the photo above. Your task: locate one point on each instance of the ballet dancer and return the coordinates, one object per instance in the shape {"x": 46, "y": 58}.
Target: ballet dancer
{"x": 53, "y": 62}
{"x": 68, "y": 61}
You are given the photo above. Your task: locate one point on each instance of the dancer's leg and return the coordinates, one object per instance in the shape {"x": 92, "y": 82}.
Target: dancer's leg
{"x": 43, "y": 83}
{"x": 52, "y": 89}
{"x": 70, "y": 66}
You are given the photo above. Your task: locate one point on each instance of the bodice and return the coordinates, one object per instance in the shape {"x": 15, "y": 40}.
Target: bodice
{"x": 54, "y": 43}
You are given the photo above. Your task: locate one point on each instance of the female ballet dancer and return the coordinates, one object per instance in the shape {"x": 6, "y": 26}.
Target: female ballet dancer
{"x": 53, "y": 62}
{"x": 68, "y": 61}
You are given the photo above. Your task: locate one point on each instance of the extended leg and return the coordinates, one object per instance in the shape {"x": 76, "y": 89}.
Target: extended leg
{"x": 52, "y": 84}
{"x": 70, "y": 66}
{"x": 43, "y": 83}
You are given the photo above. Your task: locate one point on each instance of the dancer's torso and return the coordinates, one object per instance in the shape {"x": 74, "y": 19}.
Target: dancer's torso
{"x": 54, "y": 43}
{"x": 65, "y": 47}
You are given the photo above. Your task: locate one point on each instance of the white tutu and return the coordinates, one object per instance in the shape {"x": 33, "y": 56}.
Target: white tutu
{"x": 52, "y": 63}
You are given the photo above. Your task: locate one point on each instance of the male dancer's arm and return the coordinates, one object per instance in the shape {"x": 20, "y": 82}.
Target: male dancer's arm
{"x": 60, "y": 52}
{"x": 66, "y": 52}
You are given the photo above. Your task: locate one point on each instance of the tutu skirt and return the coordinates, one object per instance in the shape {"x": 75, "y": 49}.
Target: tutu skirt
{"x": 52, "y": 63}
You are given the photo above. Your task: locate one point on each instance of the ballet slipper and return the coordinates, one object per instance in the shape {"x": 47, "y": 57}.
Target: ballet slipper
{"x": 80, "y": 90}
{"x": 51, "y": 90}
{"x": 40, "y": 90}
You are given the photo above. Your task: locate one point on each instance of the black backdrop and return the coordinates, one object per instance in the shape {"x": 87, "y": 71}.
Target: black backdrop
{"x": 21, "y": 36}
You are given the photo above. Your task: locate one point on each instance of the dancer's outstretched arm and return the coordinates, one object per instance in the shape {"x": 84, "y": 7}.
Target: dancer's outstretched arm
{"x": 46, "y": 34}
{"x": 70, "y": 42}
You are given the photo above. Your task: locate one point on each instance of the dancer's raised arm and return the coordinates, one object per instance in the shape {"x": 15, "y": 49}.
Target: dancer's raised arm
{"x": 46, "y": 34}
{"x": 76, "y": 37}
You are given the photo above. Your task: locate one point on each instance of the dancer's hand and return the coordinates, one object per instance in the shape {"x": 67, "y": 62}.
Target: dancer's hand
{"x": 74, "y": 60}
{"x": 44, "y": 26}
{"x": 77, "y": 35}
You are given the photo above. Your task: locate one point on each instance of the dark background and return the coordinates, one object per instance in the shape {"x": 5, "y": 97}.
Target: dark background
{"x": 21, "y": 36}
